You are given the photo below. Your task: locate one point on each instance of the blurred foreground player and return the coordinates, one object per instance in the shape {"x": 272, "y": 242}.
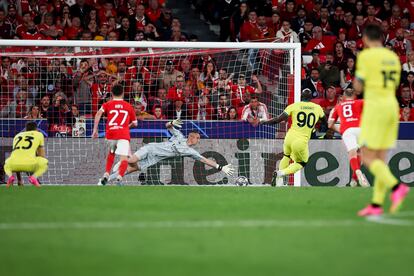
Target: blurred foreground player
{"x": 305, "y": 115}
{"x": 349, "y": 114}
{"x": 120, "y": 117}
{"x": 378, "y": 76}
{"x": 28, "y": 155}
{"x": 177, "y": 145}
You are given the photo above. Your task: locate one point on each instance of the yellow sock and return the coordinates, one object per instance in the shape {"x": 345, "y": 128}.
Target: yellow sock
{"x": 384, "y": 180}
{"x": 292, "y": 168}
{"x": 380, "y": 190}
{"x": 379, "y": 169}
{"x": 284, "y": 163}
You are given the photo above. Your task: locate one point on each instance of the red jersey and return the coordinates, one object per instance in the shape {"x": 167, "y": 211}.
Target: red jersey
{"x": 237, "y": 93}
{"x": 349, "y": 113}
{"x": 119, "y": 115}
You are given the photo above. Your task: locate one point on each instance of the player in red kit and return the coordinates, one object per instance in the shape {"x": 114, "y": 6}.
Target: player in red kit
{"x": 349, "y": 113}
{"x": 120, "y": 117}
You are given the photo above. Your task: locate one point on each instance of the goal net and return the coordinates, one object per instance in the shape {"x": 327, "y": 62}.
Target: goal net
{"x": 219, "y": 89}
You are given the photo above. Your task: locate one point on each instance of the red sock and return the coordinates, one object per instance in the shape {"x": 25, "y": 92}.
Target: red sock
{"x": 355, "y": 165}
{"x": 109, "y": 161}
{"x": 123, "y": 167}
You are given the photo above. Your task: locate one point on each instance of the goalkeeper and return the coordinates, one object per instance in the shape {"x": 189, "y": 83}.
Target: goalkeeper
{"x": 177, "y": 145}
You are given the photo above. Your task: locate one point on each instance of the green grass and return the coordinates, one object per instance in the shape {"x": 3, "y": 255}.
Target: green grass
{"x": 306, "y": 231}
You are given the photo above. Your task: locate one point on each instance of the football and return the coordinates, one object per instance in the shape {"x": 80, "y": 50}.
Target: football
{"x": 242, "y": 181}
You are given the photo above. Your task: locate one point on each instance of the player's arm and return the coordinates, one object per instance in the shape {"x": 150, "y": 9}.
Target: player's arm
{"x": 282, "y": 117}
{"x": 333, "y": 117}
{"x": 358, "y": 85}
{"x": 96, "y": 123}
{"x": 360, "y": 73}
{"x": 41, "y": 151}
{"x": 227, "y": 169}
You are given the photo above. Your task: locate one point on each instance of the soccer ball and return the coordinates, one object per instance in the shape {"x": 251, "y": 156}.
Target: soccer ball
{"x": 242, "y": 181}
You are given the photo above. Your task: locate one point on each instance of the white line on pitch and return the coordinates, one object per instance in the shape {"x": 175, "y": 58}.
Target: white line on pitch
{"x": 184, "y": 224}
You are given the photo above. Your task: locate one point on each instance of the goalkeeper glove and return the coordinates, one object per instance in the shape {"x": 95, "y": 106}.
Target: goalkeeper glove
{"x": 227, "y": 169}
{"x": 177, "y": 123}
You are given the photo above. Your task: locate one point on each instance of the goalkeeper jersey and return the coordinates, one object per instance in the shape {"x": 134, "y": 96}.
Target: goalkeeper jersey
{"x": 25, "y": 144}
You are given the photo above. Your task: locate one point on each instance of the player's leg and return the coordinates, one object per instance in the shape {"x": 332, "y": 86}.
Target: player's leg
{"x": 122, "y": 149}
{"x": 40, "y": 167}
{"x": 9, "y": 171}
{"x": 350, "y": 139}
{"x": 284, "y": 163}
{"x": 110, "y": 158}
{"x": 300, "y": 156}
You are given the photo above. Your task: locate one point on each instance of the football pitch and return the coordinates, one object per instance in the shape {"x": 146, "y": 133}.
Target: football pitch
{"x": 161, "y": 230}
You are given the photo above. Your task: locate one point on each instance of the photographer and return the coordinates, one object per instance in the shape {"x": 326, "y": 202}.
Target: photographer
{"x": 329, "y": 73}
{"x": 60, "y": 117}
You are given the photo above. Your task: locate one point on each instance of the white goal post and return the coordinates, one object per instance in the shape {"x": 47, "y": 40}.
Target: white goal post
{"x": 276, "y": 66}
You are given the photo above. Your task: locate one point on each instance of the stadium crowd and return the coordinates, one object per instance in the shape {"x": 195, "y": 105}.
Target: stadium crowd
{"x": 190, "y": 88}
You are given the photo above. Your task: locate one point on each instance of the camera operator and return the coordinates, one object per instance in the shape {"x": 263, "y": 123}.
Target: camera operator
{"x": 329, "y": 73}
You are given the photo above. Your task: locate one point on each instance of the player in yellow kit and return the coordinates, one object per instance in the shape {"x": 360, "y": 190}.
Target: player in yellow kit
{"x": 305, "y": 115}
{"x": 28, "y": 155}
{"x": 378, "y": 76}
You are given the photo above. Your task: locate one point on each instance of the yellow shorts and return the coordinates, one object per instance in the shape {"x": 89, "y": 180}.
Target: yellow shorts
{"x": 296, "y": 147}
{"x": 28, "y": 165}
{"x": 379, "y": 126}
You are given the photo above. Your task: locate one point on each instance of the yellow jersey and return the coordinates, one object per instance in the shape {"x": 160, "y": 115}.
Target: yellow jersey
{"x": 379, "y": 69}
{"x": 304, "y": 115}
{"x": 25, "y": 144}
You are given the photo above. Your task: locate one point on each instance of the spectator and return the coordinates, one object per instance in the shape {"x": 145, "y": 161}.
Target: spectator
{"x": 371, "y": 16}
{"x": 266, "y": 32}
{"x": 139, "y": 21}
{"x": 141, "y": 113}
{"x": 103, "y": 32}
{"x": 329, "y": 73}
{"x": 126, "y": 32}
{"x": 324, "y": 21}
{"x": 223, "y": 82}
{"x": 306, "y": 35}
{"x": 387, "y": 34}
{"x": 298, "y": 23}
{"x": 177, "y": 35}
{"x": 185, "y": 68}
{"x": 286, "y": 34}
{"x": 205, "y": 109}
{"x": 100, "y": 90}
{"x": 330, "y": 100}
{"x": 405, "y": 100}
{"x": 22, "y": 28}
{"x": 249, "y": 30}
{"x": 407, "y": 114}
{"x": 347, "y": 75}
{"x": 160, "y": 100}
{"x": 241, "y": 88}
{"x": 81, "y": 10}
{"x": 232, "y": 114}
{"x": 33, "y": 113}
{"x": 163, "y": 24}
{"x": 150, "y": 32}
{"x": 176, "y": 91}
{"x": 74, "y": 30}
{"x": 65, "y": 19}
{"x": 315, "y": 13}
{"x": 190, "y": 101}
{"x": 153, "y": 11}
{"x": 359, "y": 8}
{"x": 385, "y": 11}
{"x": 82, "y": 82}
{"x": 340, "y": 57}
{"x": 337, "y": 21}
{"x": 323, "y": 43}
{"x": 275, "y": 22}
{"x": 355, "y": 33}
{"x": 169, "y": 75}
{"x": 254, "y": 112}
{"x": 44, "y": 106}
{"x": 348, "y": 20}
{"x": 50, "y": 30}
{"x": 93, "y": 28}
{"x": 352, "y": 47}
{"x": 401, "y": 45}
{"x": 409, "y": 65}
{"x": 32, "y": 34}
{"x": 158, "y": 114}
{"x": 237, "y": 20}
{"x": 59, "y": 117}
{"x": 18, "y": 107}
{"x": 194, "y": 82}
{"x": 12, "y": 18}
{"x": 410, "y": 83}
{"x": 137, "y": 94}
{"x": 209, "y": 74}
{"x": 314, "y": 84}
{"x": 178, "y": 110}
{"x": 395, "y": 19}
{"x": 107, "y": 11}
{"x": 289, "y": 12}
{"x": 222, "y": 108}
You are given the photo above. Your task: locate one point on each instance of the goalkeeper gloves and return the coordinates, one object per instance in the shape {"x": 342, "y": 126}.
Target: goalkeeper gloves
{"x": 177, "y": 123}
{"x": 227, "y": 169}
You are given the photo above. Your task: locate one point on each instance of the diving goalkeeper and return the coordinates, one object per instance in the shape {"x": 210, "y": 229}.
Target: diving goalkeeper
{"x": 177, "y": 146}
